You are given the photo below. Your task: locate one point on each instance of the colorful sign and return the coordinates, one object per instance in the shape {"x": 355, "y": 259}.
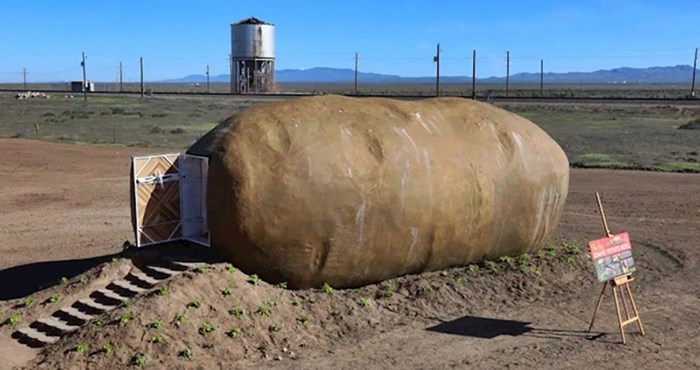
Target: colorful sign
{"x": 612, "y": 257}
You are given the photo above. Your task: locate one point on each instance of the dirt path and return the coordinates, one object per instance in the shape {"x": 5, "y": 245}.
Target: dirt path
{"x": 62, "y": 202}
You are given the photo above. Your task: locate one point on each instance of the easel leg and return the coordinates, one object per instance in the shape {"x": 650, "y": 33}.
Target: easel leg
{"x": 624, "y": 302}
{"x": 636, "y": 313}
{"x": 619, "y": 315}
{"x": 597, "y": 306}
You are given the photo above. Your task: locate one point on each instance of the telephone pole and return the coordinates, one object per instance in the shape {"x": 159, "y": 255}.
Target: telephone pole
{"x": 357, "y": 62}
{"x": 474, "y": 74}
{"x": 141, "y": 66}
{"x": 541, "y": 77}
{"x": 695, "y": 64}
{"x": 121, "y": 76}
{"x": 24, "y": 73}
{"x": 207, "y": 78}
{"x": 507, "y": 72}
{"x": 84, "y": 78}
{"x": 436, "y": 59}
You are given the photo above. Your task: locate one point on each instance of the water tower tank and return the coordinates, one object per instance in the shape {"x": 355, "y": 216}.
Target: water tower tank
{"x": 252, "y": 56}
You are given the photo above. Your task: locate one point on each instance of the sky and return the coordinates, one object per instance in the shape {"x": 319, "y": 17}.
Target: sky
{"x": 177, "y": 38}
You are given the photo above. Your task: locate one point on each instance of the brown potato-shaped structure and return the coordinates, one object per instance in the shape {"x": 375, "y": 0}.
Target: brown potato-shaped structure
{"x": 352, "y": 191}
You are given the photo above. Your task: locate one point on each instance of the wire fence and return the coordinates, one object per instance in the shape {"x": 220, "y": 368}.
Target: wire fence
{"x": 444, "y": 72}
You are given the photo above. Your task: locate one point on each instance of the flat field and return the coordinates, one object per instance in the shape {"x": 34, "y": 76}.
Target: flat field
{"x": 592, "y": 134}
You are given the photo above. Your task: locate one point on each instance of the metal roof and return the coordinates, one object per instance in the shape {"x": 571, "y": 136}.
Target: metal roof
{"x": 252, "y": 20}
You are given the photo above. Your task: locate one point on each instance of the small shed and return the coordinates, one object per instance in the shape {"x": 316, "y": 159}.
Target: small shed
{"x": 77, "y": 86}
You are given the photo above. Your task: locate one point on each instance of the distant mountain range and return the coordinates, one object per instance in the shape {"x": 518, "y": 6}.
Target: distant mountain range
{"x": 674, "y": 74}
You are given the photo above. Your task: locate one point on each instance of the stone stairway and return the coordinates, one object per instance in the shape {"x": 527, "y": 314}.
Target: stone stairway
{"x": 48, "y": 330}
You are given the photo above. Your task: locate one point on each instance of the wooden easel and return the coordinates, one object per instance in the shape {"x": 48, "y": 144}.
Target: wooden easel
{"x": 619, "y": 286}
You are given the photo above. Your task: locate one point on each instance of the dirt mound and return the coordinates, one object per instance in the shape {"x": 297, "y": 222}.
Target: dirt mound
{"x": 217, "y": 317}
{"x": 692, "y": 125}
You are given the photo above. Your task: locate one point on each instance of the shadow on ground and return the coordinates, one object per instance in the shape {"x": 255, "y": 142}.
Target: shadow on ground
{"x": 21, "y": 281}
{"x": 487, "y": 328}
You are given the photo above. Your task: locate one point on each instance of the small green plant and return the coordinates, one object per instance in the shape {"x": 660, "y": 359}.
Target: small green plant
{"x": 186, "y": 353}
{"x": 116, "y": 259}
{"x": 327, "y": 288}
{"x": 506, "y": 259}
{"x": 162, "y": 291}
{"x": 271, "y": 304}
{"x": 156, "y": 324}
{"x": 443, "y": 273}
{"x": 139, "y": 360}
{"x": 550, "y": 253}
{"x": 263, "y": 311}
{"x": 275, "y": 327}
{"x": 230, "y": 268}
{"x": 282, "y": 285}
{"x": 571, "y": 248}
{"x": 296, "y": 301}
{"x": 461, "y": 280}
{"x": 304, "y": 319}
{"x": 53, "y": 298}
{"x": 82, "y": 278}
{"x": 29, "y": 301}
{"x": 98, "y": 323}
{"x": 180, "y": 319}
{"x": 473, "y": 268}
{"x": 128, "y": 303}
{"x": 388, "y": 290}
{"x": 425, "y": 287}
{"x": 364, "y": 302}
{"x": 334, "y": 313}
{"x": 199, "y": 269}
{"x": 226, "y": 292}
{"x": 64, "y": 280}
{"x": 158, "y": 339}
{"x": 570, "y": 260}
{"x": 125, "y": 318}
{"x": 524, "y": 259}
{"x": 539, "y": 271}
{"x": 206, "y": 328}
{"x": 195, "y": 304}
{"x": 12, "y": 320}
{"x": 234, "y": 332}
{"x": 254, "y": 279}
{"x": 81, "y": 347}
{"x": 107, "y": 348}
{"x": 491, "y": 266}
{"x": 237, "y": 312}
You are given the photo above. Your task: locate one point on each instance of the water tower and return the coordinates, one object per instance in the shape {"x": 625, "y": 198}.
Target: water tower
{"x": 252, "y": 56}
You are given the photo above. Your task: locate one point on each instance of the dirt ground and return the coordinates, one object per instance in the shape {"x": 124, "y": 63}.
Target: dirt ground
{"x": 62, "y": 202}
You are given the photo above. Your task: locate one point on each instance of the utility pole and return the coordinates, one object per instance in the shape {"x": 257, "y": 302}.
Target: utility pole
{"x": 436, "y": 59}
{"x": 24, "y": 73}
{"x": 84, "y": 78}
{"x": 357, "y": 62}
{"x": 507, "y": 72}
{"x": 141, "y": 66}
{"x": 121, "y": 76}
{"x": 695, "y": 64}
{"x": 541, "y": 77}
{"x": 207, "y": 78}
{"x": 474, "y": 74}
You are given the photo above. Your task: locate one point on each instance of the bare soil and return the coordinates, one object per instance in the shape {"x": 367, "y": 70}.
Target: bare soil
{"x": 65, "y": 212}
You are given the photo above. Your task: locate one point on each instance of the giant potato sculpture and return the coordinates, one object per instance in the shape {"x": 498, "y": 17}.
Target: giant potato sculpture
{"x": 353, "y": 191}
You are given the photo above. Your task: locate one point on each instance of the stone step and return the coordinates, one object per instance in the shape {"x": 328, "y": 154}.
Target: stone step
{"x": 112, "y": 294}
{"x": 163, "y": 270}
{"x": 145, "y": 278}
{"x": 98, "y": 306}
{"x": 77, "y": 313}
{"x": 124, "y": 284}
{"x": 186, "y": 264}
{"x": 38, "y": 336}
{"x": 58, "y": 324}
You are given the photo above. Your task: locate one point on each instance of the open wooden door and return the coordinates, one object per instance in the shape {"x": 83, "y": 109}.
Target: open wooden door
{"x": 169, "y": 198}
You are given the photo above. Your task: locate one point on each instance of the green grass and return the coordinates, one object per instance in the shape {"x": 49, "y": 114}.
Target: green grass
{"x": 679, "y": 166}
